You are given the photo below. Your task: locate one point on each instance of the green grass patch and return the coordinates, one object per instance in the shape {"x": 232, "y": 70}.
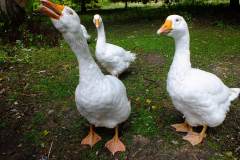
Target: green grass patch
{"x": 39, "y": 118}
{"x": 143, "y": 123}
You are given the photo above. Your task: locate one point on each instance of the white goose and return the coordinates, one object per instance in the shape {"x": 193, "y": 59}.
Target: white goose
{"x": 200, "y": 96}
{"x": 101, "y": 99}
{"x": 113, "y": 58}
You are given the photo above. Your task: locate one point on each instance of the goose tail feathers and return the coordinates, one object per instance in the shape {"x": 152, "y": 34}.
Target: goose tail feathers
{"x": 131, "y": 56}
{"x": 235, "y": 93}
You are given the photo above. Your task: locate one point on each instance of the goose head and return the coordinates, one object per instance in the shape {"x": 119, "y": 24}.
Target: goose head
{"x": 63, "y": 18}
{"x": 174, "y": 26}
{"x": 97, "y": 20}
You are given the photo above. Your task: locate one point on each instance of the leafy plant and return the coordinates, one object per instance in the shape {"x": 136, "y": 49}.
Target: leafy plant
{"x": 16, "y": 54}
{"x": 220, "y": 24}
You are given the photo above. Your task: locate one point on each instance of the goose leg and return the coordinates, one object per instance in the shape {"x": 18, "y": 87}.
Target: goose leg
{"x": 92, "y": 138}
{"x": 115, "y": 145}
{"x": 196, "y": 138}
{"x": 182, "y": 127}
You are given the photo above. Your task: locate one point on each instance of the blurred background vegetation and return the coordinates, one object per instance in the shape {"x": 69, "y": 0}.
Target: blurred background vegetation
{"x": 20, "y": 21}
{"x": 16, "y": 10}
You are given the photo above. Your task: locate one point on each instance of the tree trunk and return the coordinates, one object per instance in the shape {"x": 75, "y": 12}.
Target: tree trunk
{"x": 3, "y": 6}
{"x": 83, "y": 6}
{"x": 13, "y": 16}
{"x": 13, "y": 12}
{"x": 21, "y": 3}
{"x": 126, "y": 5}
{"x": 234, "y": 3}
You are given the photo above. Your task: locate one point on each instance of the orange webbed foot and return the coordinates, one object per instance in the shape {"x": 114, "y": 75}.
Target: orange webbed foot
{"x": 196, "y": 138}
{"x": 92, "y": 138}
{"x": 181, "y": 127}
{"x": 115, "y": 144}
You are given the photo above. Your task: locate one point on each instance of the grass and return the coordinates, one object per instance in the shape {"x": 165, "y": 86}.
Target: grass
{"x": 42, "y": 81}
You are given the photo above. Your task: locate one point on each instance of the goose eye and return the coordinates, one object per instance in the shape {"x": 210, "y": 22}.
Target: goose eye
{"x": 70, "y": 12}
{"x": 177, "y": 20}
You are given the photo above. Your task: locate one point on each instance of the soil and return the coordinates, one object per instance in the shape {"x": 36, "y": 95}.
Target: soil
{"x": 154, "y": 59}
{"x": 228, "y": 67}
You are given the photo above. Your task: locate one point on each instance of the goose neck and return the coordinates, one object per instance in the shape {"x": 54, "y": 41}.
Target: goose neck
{"x": 101, "y": 34}
{"x": 181, "y": 61}
{"x": 88, "y": 69}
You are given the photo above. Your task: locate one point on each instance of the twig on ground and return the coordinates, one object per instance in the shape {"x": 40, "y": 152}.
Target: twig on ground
{"x": 50, "y": 149}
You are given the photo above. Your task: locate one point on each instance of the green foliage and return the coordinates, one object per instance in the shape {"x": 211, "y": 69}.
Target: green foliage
{"x": 38, "y": 118}
{"x": 15, "y": 54}
{"x": 135, "y": 1}
{"x": 3, "y": 125}
{"x": 57, "y": 88}
{"x": 28, "y": 37}
{"x": 33, "y": 5}
{"x": 220, "y": 24}
{"x": 143, "y": 123}
{"x": 187, "y": 16}
{"x": 33, "y": 137}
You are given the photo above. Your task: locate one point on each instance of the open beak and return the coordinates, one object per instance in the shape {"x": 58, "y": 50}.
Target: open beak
{"x": 166, "y": 27}
{"x": 51, "y": 9}
{"x": 97, "y": 23}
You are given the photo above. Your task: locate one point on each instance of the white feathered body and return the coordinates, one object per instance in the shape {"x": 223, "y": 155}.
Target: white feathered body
{"x": 200, "y": 96}
{"x": 101, "y": 99}
{"x": 103, "y": 103}
{"x": 114, "y": 58}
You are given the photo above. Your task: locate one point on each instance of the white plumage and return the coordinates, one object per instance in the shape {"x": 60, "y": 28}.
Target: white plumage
{"x": 101, "y": 99}
{"x": 85, "y": 33}
{"x": 200, "y": 96}
{"x": 113, "y": 58}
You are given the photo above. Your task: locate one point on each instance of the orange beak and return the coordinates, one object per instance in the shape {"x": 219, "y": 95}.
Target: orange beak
{"x": 51, "y": 9}
{"x": 166, "y": 27}
{"x": 97, "y": 23}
